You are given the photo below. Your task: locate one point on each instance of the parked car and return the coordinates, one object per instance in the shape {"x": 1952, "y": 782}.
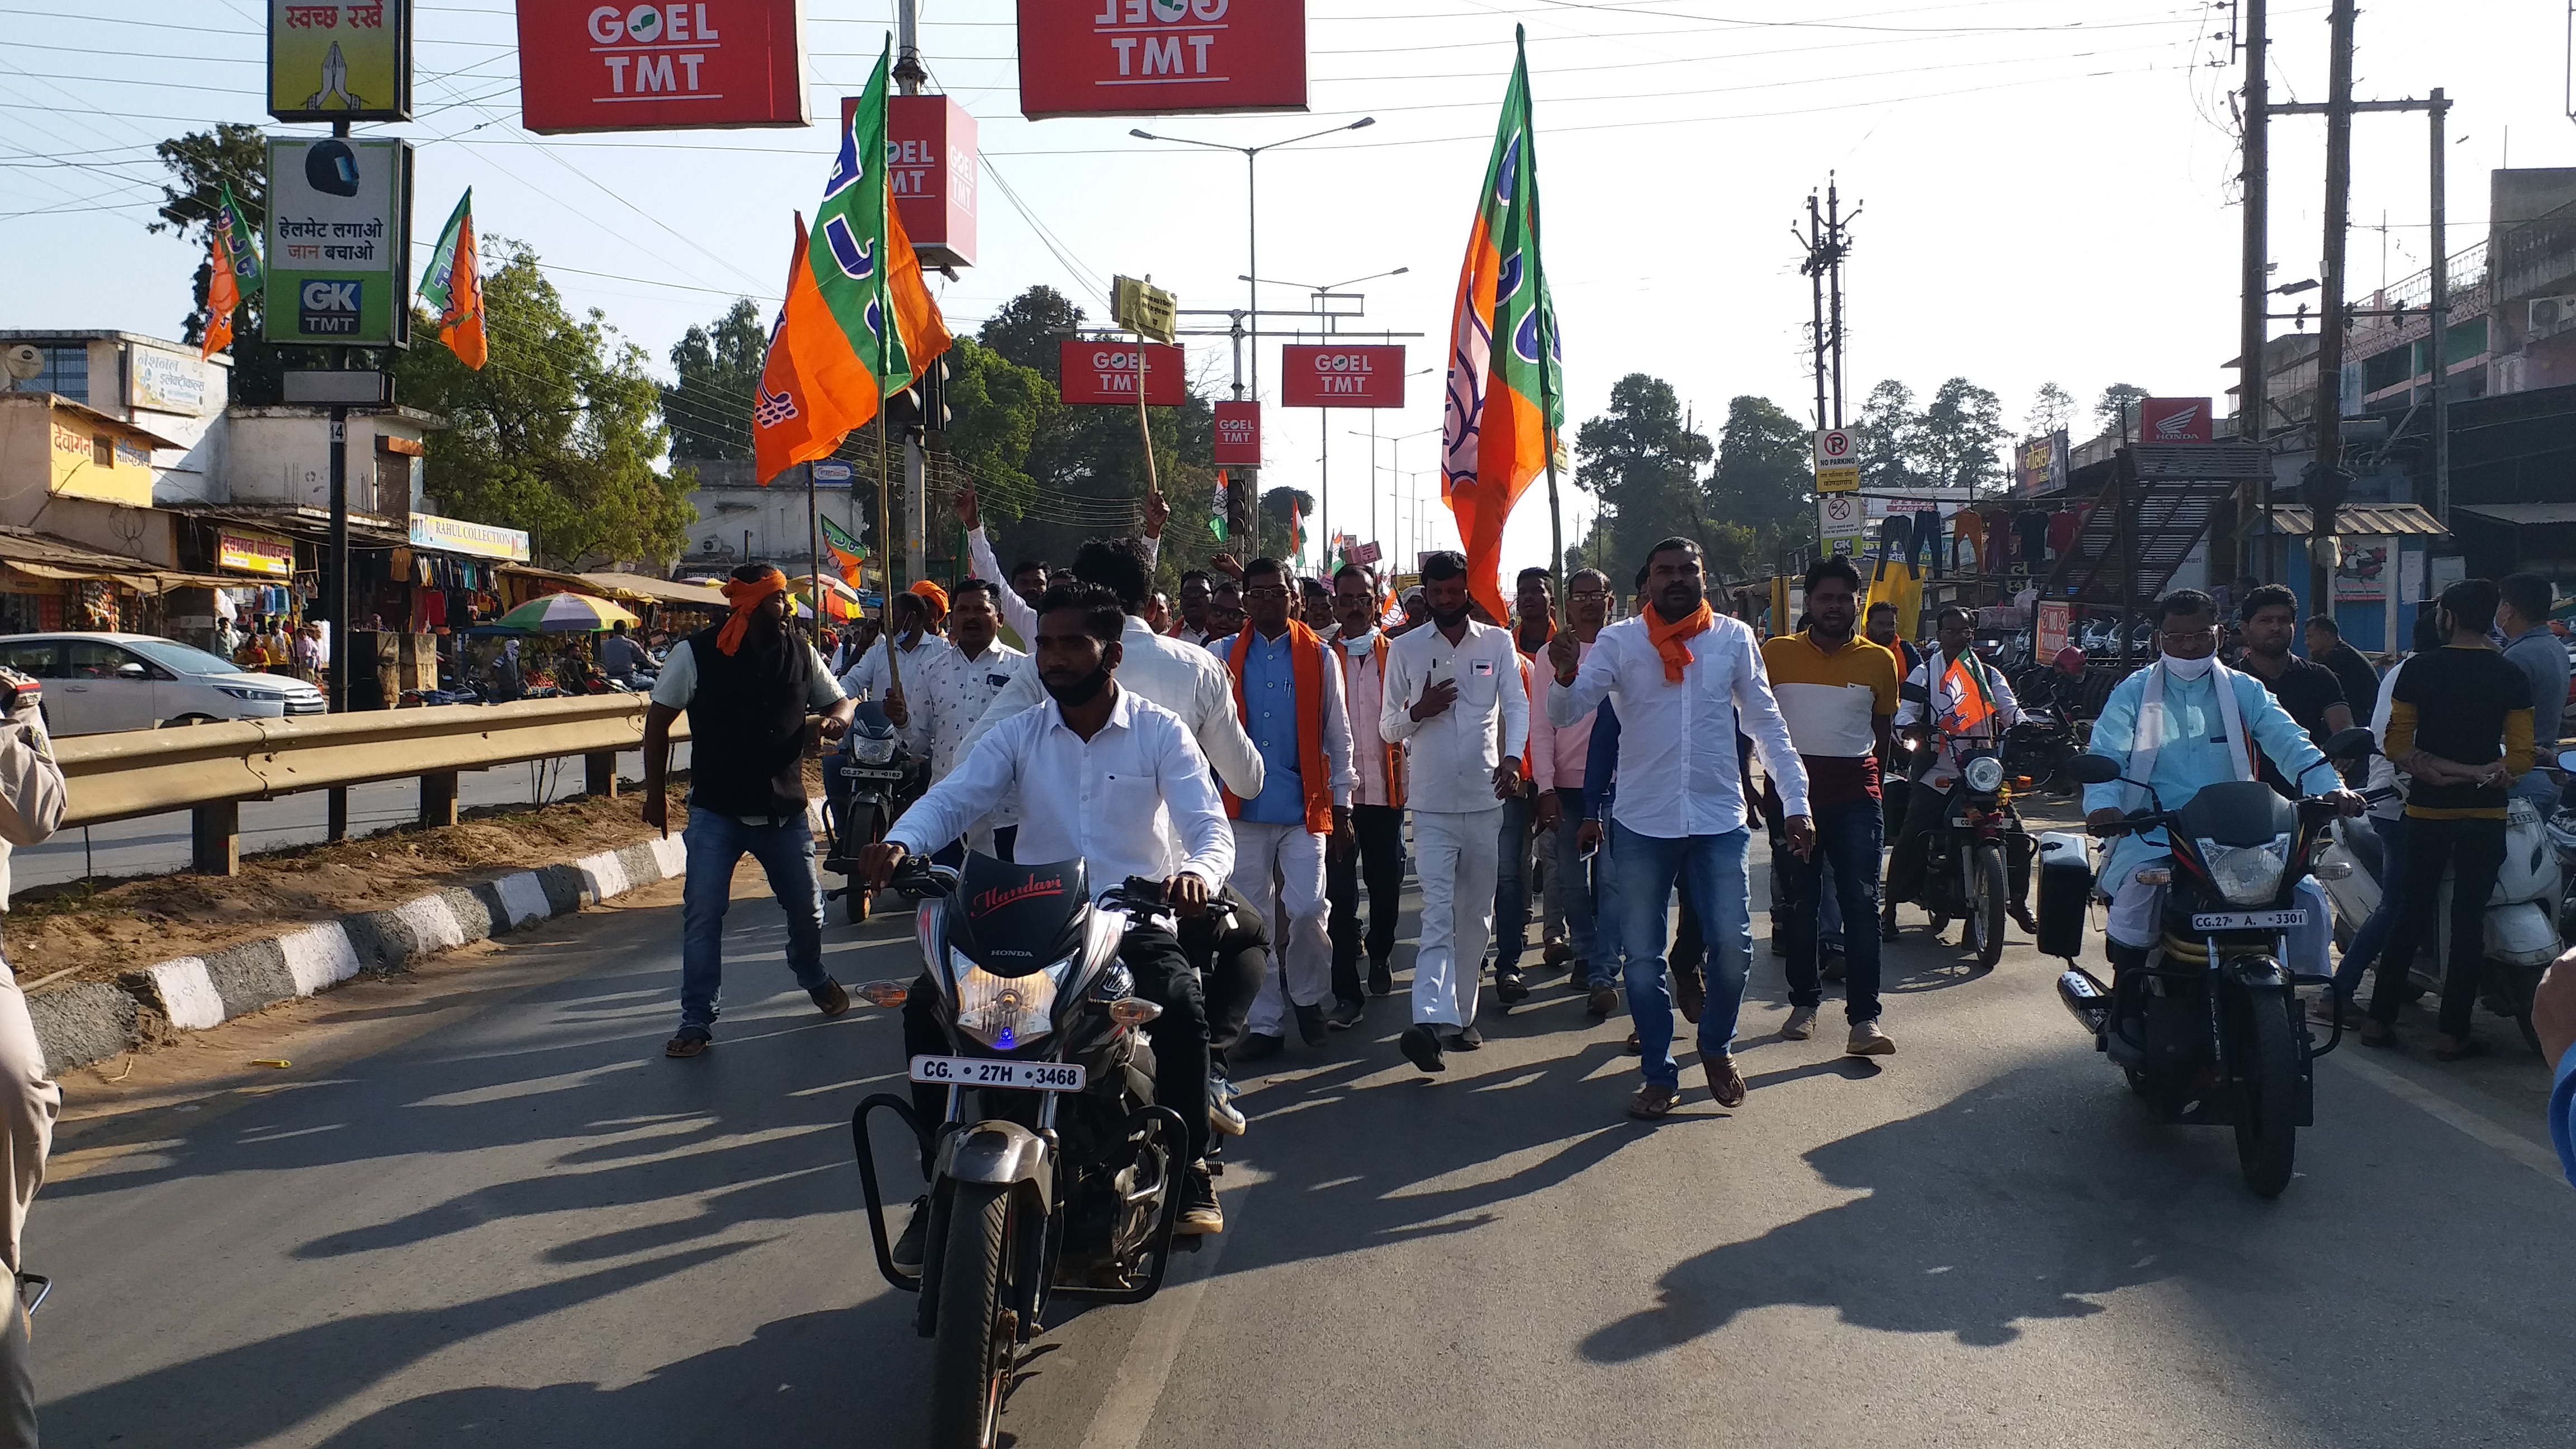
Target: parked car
{"x": 100, "y": 683}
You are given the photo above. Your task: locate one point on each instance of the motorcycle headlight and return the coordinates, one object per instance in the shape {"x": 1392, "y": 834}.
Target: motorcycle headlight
{"x": 1006, "y": 1012}
{"x": 1984, "y": 774}
{"x": 2248, "y": 875}
{"x": 871, "y": 749}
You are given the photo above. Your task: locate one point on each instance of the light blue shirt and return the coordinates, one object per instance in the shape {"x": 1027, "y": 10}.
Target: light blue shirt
{"x": 2193, "y": 752}
{"x": 2562, "y": 1113}
{"x": 1270, "y": 717}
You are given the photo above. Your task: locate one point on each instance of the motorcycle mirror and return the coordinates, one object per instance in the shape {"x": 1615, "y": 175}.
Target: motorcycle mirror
{"x": 2094, "y": 769}
{"x": 2355, "y": 743}
{"x": 2567, "y": 761}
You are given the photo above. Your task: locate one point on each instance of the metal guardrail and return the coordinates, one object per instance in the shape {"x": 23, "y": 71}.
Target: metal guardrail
{"x": 210, "y": 769}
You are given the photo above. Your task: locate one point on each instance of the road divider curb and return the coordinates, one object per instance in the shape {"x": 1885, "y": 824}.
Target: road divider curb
{"x": 80, "y": 1022}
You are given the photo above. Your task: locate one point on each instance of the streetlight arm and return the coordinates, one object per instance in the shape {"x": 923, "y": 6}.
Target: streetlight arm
{"x": 1330, "y": 131}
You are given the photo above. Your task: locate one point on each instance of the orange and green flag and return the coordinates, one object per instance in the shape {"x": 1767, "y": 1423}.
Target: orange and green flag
{"x": 452, "y": 285}
{"x": 1971, "y": 704}
{"x": 858, "y": 322}
{"x": 223, "y": 295}
{"x": 847, "y": 552}
{"x": 1504, "y": 404}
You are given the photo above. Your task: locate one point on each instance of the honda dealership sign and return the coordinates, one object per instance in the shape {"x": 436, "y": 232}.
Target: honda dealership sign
{"x": 589, "y": 66}
{"x": 1161, "y": 57}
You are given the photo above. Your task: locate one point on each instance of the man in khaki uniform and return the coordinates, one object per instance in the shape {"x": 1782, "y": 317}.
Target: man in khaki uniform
{"x": 32, "y": 800}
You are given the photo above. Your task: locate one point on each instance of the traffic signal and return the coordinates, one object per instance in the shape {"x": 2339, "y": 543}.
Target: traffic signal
{"x": 924, "y": 405}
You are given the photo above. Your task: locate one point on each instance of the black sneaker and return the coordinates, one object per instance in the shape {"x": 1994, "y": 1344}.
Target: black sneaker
{"x": 1310, "y": 1024}
{"x": 1257, "y": 1047}
{"x": 831, "y": 998}
{"x": 907, "y": 1248}
{"x": 1510, "y": 989}
{"x": 1200, "y": 1216}
{"x": 1381, "y": 979}
{"x": 1345, "y": 1015}
{"x": 1602, "y": 1001}
{"x": 1832, "y": 969}
{"x": 1466, "y": 1039}
{"x": 1421, "y": 1046}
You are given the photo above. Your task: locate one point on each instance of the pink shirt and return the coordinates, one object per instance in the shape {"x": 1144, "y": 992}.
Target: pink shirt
{"x": 1557, "y": 753}
{"x": 1363, "y": 694}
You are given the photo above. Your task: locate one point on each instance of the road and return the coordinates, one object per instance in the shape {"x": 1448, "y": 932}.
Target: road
{"x": 158, "y": 844}
{"x": 483, "y": 1209}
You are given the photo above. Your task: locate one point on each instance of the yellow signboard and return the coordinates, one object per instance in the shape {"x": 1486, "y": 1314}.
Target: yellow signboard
{"x": 245, "y": 552}
{"x": 97, "y": 464}
{"x": 1838, "y": 478}
{"x": 1142, "y": 308}
{"x": 334, "y": 60}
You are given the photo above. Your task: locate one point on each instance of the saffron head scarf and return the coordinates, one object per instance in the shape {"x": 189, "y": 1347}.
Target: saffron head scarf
{"x": 745, "y": 596}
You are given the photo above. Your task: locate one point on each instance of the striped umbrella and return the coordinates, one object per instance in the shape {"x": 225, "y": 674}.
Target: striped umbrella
{"x": 840, "y": 601}
{"x": 565, "y": 614}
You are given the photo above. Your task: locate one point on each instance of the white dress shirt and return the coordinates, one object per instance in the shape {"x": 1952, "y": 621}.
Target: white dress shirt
{"x": 1131, "y": 800}
{"x": 1364, "y": 692}
{"x": 1016, "y": 612}
{"x": 1451, "y": 757}
{"x": 1191, "y": 683}
{"x": 955, "y": 693}
{"x": 1678, "y": 770}
{"x": 870, "y": 677}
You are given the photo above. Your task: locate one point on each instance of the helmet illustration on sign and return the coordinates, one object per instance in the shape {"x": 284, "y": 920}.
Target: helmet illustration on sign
{"x": 331, "y": 167}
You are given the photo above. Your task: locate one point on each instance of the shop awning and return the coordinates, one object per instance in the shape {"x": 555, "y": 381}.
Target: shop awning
{"x": 660, "y": 591}
{"x": 2359, "y": 520}
{"x": 2519, "y": 515}
{"x": 44, "y": 557}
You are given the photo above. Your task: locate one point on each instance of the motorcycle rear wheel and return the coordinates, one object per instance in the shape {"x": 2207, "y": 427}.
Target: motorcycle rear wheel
{"x": 971, "y": 1356}
{"x": 2267, "y": 1086}
{"x": 1986, "y": 905}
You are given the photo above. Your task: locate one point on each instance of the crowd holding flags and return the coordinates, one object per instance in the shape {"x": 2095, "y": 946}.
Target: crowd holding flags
{"x": 453, "y": 287}
{"x": 1504, "y": 406}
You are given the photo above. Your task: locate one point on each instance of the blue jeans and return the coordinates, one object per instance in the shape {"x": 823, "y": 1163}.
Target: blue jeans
{"x": 1710, "y": 869}
{"x": 1847, "y": 838}
{"x": 2367, "y": 941}
{"x": 1573, "y": 884}
{"x": 1512, "y": 883}
{"x": 786, "y": 855}
{"x": 1829, "y": 923}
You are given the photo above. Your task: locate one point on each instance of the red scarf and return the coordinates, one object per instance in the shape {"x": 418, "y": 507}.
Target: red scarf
{"x": 1672, "y": 640}
{"x": 1306, "y": 670}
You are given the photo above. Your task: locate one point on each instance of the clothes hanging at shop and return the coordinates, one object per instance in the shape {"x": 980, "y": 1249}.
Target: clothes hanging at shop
{"x": 2063, "y": 527}
{"x": 2033, "y": 528}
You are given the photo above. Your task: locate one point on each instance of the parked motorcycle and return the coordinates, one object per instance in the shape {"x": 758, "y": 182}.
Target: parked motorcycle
{"x": 2209, "y": 1026}
{"x": 1068, "y": 1183}
{"x": 1978, "y": 856}
{"x": 868, "y": 782}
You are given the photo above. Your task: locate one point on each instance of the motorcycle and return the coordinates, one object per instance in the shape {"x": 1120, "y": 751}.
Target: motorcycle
{"x": 2208, "y": 1026}
{"x": 1068, "y": 1184}
{"x": 2522, "y": 926}
{"x": 1975, "y": 859}
{"x": 867, "y": 784}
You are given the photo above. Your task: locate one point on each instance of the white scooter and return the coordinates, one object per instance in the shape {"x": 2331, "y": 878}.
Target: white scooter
{"x": 2521, "y": 916}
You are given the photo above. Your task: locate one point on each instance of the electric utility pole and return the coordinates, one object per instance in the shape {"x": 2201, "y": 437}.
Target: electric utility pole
{"x": 1826, "y": 243}
{"x": 2252, "y": 372}
{"x": 2325, "y": 482}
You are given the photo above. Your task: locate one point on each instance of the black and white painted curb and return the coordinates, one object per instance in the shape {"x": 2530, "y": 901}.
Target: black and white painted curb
{"x": 86, "y": 1021}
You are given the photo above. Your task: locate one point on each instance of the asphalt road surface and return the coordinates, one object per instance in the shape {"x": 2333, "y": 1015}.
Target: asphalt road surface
{"x": 482, "y": 1208}
{"x": 159, "y": 844}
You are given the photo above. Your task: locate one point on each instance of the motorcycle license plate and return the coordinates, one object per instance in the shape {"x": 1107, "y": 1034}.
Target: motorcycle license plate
{"x": 861, "y": 772}
{"x": 978, "y": 1072}
{"x": 2295, "y": 918}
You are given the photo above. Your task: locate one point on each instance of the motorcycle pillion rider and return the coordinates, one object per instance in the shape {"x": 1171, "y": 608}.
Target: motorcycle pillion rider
{"x": 2183, "y": 722}
{"x": 1109, "y": 778}
{"x": 1928, "y": 696}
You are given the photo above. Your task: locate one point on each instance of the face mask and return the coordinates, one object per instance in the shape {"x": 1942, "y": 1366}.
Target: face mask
{"x": 1082, "y": 691}
{"x": 2189, "y": 668}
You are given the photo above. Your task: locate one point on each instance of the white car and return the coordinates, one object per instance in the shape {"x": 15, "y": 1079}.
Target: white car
{"x": 101, "y": 683}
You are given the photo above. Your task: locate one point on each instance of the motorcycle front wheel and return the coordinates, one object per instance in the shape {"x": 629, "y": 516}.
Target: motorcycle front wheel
{"x": 1986, "y": 904}
{"x": 2267, "y": 1086}
{"x": 970, "y": 1358}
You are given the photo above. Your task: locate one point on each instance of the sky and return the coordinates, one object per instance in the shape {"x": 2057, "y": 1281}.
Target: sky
{"x": 2046, "y": 191}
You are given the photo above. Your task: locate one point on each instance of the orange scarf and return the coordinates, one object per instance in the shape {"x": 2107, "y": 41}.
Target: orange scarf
{"x": 745, "y": 596}
{"x": 1306, "y": 672}
{"x": 1672, "y": 641}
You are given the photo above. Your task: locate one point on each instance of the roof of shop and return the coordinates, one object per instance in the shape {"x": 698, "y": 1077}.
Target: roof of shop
{"x": 2521, "y": 515}
{"x": 2359, "y": 520}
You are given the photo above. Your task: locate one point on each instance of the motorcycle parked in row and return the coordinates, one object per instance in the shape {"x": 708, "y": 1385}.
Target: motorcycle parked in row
{"x": 1068, "y": 1182}
{"x": 868, "y": 782}
{"x": 2209, "y": 1027}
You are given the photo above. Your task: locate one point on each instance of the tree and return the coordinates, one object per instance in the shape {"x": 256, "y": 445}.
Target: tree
{"x": 1029, "y": 328}
{"x": 2051, "y": 408}
{"x": 1763, "y": 487}
{"x": 1958, "y": 436}
{"x": 1641, "y": 461}
{"x": 1277, "y": 535}
{"x": 2112, "y": 412}
{"x": 1891, "y": 441}
{"x": 202, "y": 163}
{"x": 709, "y": 412}
{"x": 557, "y": 433}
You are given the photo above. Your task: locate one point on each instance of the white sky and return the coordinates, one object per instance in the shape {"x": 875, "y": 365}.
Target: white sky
{"x": 2043, "y": 198}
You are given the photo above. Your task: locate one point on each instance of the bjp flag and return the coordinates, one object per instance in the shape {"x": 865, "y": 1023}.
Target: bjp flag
{"x": 223, "y": 295}
{"x": 453, "y": 287}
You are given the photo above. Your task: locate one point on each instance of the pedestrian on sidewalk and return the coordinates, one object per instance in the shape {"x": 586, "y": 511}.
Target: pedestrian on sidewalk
{"x": 1376, "y": 855}
{"x": 1453, "y": 702}
{"x": 747, "y": 685}
{"x": 1685, "y": 676}
{"x": 32, "y": 801}
{"x": 1288, "y": 697}
{"x": 1837, "y": 692}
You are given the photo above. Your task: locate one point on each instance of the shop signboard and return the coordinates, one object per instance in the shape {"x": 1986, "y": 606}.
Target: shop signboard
{"x": 587, "y": 66}
{"x": 2362, "y": 577}
{"x": 1105, "y": 372}
{"x": 245, "y": 551}
{"x": 475, "y": 540}
{"x": 930, "y": 167}
{"x": 2040, "y": 465}
{"x": 165, "y": 382}
{"x": 330, "y": 61}
{"x": 339, "y": 230}
{"x": 2054, "y": 626}
{"x": 1342, "y": 375}
{"x": 1238, "y": 435}
{"x": 1161, "y": 57}
{"x": 2173, "y": 420}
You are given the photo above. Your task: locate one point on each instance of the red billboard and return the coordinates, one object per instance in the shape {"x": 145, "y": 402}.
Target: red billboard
{"x": 2173, "y": 420}
{"x": 930, "y": 163}
{"x": 1342, "y": 376}
{"x": 585, "y": 66}
{"x": 1161, "y": 57}
{"x": 1238, "y": 435}
{"x": 1105, "y": 372}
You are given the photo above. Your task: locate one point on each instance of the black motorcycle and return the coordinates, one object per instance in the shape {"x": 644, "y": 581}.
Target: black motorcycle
{"x": 868, "y": 782}
{"x": 1977, "y": 860}
{"x": 2208, "y": 1026}
{"x": 1068, "y": 1183}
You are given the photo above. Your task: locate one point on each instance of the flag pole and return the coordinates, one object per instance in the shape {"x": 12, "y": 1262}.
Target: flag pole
{"x": 885, "y": 349}
{"x": 814, "y": 550}
{"x": 1546, "y": 345}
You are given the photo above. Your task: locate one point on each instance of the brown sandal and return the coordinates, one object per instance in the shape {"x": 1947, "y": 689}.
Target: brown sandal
{"x": 1725, "y": 1083}
{"x": 1653, "y": 1100}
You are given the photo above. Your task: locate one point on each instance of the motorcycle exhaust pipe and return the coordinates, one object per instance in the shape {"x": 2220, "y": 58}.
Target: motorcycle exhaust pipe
{"x": 2086, "y": 999}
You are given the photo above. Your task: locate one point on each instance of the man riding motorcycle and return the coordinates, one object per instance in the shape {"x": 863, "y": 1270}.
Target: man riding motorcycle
{"x": 1108, "y": 777}
{"x": 2183, "y": 722}
{"x": 1928, "y": 697}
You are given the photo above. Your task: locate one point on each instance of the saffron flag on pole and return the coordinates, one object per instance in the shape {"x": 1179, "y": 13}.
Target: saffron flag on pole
{"x": 847, "y": 552}
{"x": 452, "y": 285}
{"x": 1970, "y": 702}
{"x": 858, "y": 322}
{"x": 223, "y": 294}
{"x": 1504, "y": 403}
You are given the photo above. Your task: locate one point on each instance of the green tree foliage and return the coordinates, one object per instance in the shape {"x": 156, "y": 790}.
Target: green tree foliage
{"x": 1030, "y": 327}
{"x": 1959, "y": 436}
{"x": 709, "y": 411}
{"x": 1891, "y": 443}
{"x": 1278, "y": 529}
{"x": 200, "y": 163}
{"x": 2111, "y": 411}
{"x": 2051, "y": 408}
{"x": 1641, "y": 463}
{"x": 557, "y": 433}
{"x": 1762, "y": 495}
